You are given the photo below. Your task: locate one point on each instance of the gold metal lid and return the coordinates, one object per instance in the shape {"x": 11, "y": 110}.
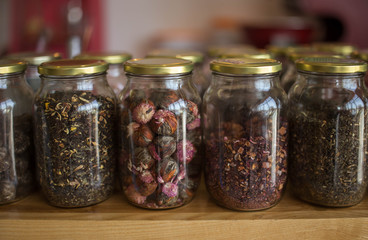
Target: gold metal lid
{"x": 314, "y": 54}
{"x": 112, "y": 58}
{"x": 244, "y": 53}
{"x": 215, "y": 50}
{"x": 194, "y": 56}
{"x": 361, "y": 54}
{"x": 8, "y": 66}
{"x": 33, "y": 58}
{"x": 244, "y": 66}
{"x": 338, "y": 48}
{"x": 158, "y": 66}
{"x": 72, "y": 67}
{"x": 331, "y": 65}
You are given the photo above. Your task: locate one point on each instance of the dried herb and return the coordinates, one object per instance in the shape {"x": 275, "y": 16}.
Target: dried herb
{"x": 75, "y": 151}
{"x": 246, "y": 167}
{"x": 16, "y": 157}
{"x": 165, "y": 173}
{"x": 328, "y": 153}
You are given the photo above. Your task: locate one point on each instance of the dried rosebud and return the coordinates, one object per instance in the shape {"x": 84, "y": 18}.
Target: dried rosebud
{"x": 133, "y": 195}
{"x": 142, "y": 158}
{"x": 144, "y": 112}
{"x": 194, "y": 124}
{"x": 168, "y": 169}
{"x": 146, "y": 176}
{"x": 131, "y": 128}
{"x": 187, "y": 189}
{"x": 164, "y": 122}
{"x": 135, "y": 96}
{"x": 185, "y": 151}
{"x": 164, "y": 98}
{"x": 165, "y": 146}
{"x": 192, "y": 110}
{"x": 142, "y": 136}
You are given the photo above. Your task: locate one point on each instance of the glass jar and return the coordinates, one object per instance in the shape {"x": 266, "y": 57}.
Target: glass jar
{"x": 245, "y": 134}
{"x": 199, "y": 80}
{"x": 279, "y": 53}
{"x": 74, "y": 114}
{"x": 16, "y": 145}
{"x": 34, "y": 60}
{"x": 115, "y": 74}
{"x": 362, "y": 55}
{"x": 160, "y": 157}
{"x": 328, "y": 132}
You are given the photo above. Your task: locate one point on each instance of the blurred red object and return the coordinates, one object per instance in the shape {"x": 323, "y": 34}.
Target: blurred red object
{"x": 42, "y": 25}
{"x": 281, "y": 31}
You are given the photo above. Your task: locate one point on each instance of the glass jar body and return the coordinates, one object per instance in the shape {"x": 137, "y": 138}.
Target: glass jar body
{"x": 33, "y": 78}
{"x": 160, "y": 155}
{"x": 199, "y": 80}
{"x": 75, "y": 130}
{"x": 16, "y": 142}
{"x": 328, "y": 138}
{"x": 116, "y": 77}
{"x": 245, "y": 138}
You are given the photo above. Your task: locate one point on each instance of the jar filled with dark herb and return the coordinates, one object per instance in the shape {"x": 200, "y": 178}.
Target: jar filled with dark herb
{"x": 16, "y": 145}
{"x": 328, "y": 131}
{"x": 245, "y": 134}
{"x": 115, "y": 74}
{"x": 74, "y": 114}
{"x": 160, "y": 157}
{"x": 199, "y": 80}
{"x": 34, "y": 60}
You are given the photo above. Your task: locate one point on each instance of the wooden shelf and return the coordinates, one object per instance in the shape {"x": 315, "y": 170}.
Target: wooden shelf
{"x": 33, "y": 218}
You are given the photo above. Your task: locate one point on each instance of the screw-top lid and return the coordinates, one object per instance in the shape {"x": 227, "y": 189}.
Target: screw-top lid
{"x": 33, "y": 58}
{"x": 331, "y": 65}
{"x": 315, "y": 54}
{"x": 215, "y": 50}
{"x": 194, "y": 56}
{"x": 338, "y": 48}
{"x": 244, "y": 53}
{"x": 112, "y": 58}
{"x": 158, "y": 66}
{"x": 244, "y": 66}
{"x": 8, "y": 66}
{"x": 361, "y": 54}
{"x": 72, "y": 67}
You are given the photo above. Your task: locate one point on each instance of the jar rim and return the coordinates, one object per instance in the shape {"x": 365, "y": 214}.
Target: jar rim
{"x": 245, "y": 66}
{"x": 9, "y": 66}
{"x": 109, "y": 57}
{"x": 335, "y": 47}
{"x": 331, "y": 65}
{"x": 158, "y": 66}
{"x": 73, "y": 67}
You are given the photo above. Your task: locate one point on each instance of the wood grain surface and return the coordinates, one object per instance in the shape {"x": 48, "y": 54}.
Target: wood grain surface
{"x": 33, "y": 218}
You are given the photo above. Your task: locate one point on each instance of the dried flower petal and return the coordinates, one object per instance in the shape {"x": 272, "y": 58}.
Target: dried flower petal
{"x": 194, "y": 124}
{"x": 142, "y": 136}
{"x": 185, "y": 151}
{"x": 168, "y": 169}
{"x": 170, "y": 189}
{"x": 144, "y": 112}
{"x": 164, "y": 122}
{"x": 165, "y": 146}
{"x": 133, "y": 195}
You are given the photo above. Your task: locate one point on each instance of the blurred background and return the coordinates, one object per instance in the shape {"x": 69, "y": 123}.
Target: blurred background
{"x": 73, "y": 26}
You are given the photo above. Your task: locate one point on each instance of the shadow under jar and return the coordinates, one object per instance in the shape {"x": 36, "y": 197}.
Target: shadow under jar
{"x": 328, "y": 132}
{"x": 160, "y": 156}
{"x": 16, "y": 145}
{"x": 74, "y": 115}
{"x": 245, "y": 134}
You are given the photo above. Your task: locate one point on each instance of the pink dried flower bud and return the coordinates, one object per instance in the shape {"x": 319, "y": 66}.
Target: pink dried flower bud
{"x": 142, "y": 136}
{"x": 170, "y": 189}
{"x": 185, "y": 151}
{"x": 194, "y": 124}
{"x": 153, "y": 152}
{"x": 164, "y": 122}
{"x": 144, "y": 112}
{"x": 133, "y": 195}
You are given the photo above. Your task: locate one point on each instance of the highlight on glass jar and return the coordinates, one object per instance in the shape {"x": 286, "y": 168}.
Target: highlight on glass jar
{"x": 75, "y": 115}
{"x": 328, "y": 132}
{"x": 115, "y": 74}
{"x": 199, "y": 80}
{"x": 34, "y": 60}
{"x": 16, "y": 145}
{"x": 160, "y": 157}
{"x": 245, "y": 134}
